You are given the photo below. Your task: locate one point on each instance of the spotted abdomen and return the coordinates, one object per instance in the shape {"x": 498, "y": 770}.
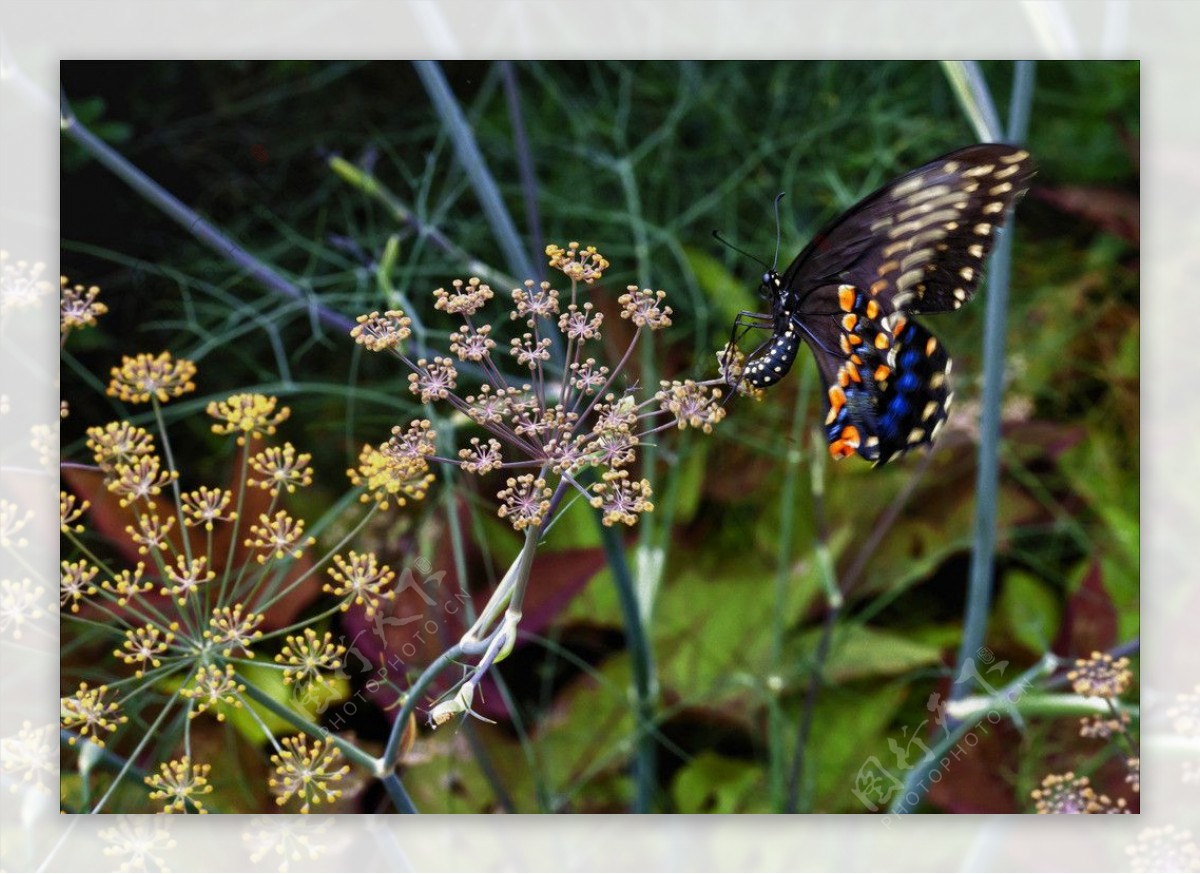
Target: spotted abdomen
{"x": 771, "y": 365}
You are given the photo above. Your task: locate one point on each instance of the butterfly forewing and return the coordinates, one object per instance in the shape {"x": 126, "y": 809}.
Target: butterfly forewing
{"x": 919, "y": 242}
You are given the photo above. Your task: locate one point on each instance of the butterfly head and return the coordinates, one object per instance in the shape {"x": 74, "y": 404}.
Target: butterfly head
{"x": 771, "y": 285}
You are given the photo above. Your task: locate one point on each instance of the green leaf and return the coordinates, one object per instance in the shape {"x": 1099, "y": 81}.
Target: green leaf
{"x": 689, "y": 480}
{"x": 1030, "y": 610}
{"x": 712, "y": 636}
{"x": 859, "y": 652}
{"x": 727, "y": 295}
{"x": 711, "y": 783}
{"x": 850, "y": 726}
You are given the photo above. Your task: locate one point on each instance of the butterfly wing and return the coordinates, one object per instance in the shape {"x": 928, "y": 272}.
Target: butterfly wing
{"x": 887, "y": 383}
{"x": 919, "y": 242}
{"x": 917, "y": 245}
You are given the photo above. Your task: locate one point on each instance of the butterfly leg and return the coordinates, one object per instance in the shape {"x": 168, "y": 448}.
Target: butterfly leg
{"x": 745, "y": 322}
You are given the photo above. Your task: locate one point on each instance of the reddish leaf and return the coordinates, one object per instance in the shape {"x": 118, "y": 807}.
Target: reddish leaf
{"x": 1090, "y": 620}
{"x": 1116, "y": 212}
{"x": 969, "y": 775}
{"x": 1052, "y": 438}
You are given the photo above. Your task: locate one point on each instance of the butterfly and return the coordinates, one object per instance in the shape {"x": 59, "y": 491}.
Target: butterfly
{"x": 917, "y": 245}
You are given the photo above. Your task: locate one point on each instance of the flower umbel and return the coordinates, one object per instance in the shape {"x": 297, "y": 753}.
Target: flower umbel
{"x": 87, "y": 711}
{"x": 247, "y": 415}
{"x": 145, "y": 377}
{"x": 204, "y": 506}
{"x": 308, "y": 656}
{"x": 307, "y": 772}
{"x": 621, "y": 498}
{"x": 584, "y": 266}
{"x": 119, "y": 443}
{"x": 525, "y": 502}
{"x": 1101, "y": 676}
{"x": 282, "y": 537}
{"x": 178, "y": 783}
{"x": 1065, "y": 793}
{"x": 281, "y": 468}
{"x": 643, "y": 308}
{"x": 379, "y": 333}
{"x": 234, "y": 629}
{"x": 75, "y": 582}
{"x": 144, "y": 645}
{"x": 69, "y": 512}
{"x": 387, "y": 478}
{"x": 212, "y": 687}
{"x": 361, "y": 580}
{"x": 466, "y": 298}
{"x": 78, "y": 306}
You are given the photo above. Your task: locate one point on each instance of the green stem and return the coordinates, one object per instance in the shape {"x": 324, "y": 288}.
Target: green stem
{"x": 975, "y": 707}
{"x": 646, "y": 754}
{"x": 412, "y": 696}
{"x": 395, "y": 790}
{"x": 469, "y": 155}
{"x": 980, "y": 583}
{"x": 150, "y": 733}
{"x": 370, "y": 186}
{"x": 777, "y": 725}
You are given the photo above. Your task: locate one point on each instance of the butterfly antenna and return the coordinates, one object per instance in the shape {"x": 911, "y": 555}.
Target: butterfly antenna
{"x": 721, "y": 239}
{"x": 778, "y": 231}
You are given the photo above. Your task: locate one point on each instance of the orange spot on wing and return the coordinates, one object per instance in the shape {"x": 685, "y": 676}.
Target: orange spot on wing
{"x": 846, "y": 298}
{"x": 837, "y": 400}
{"x": 846, "y": 444}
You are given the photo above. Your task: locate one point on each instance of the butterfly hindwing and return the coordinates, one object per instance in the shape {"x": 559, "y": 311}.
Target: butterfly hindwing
{"x": 888, "y": 386}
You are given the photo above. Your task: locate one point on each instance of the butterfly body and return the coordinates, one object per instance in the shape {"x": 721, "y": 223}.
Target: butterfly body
{"x": 917, "y": 245}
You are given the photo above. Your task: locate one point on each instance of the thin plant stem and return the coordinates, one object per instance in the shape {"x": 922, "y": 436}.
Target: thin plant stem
{"x": 151, "y": 733}
{"x": 980, "y": 582}
{"x": 974, "y": 98}
{"x": 398, "y": 794}
{"x": 777, "y": 725}
{"x": 525, "y": 168}
{"x": 412, "y": 696}
{"x": 833, "y": 609}
{"x": 372, "y": 187}
{"x": 469, "y": 155}
{"x": 646, "y": 749}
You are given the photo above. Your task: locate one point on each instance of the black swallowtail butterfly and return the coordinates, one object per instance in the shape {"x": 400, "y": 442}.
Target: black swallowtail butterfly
{"x": 917, "y": 245}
